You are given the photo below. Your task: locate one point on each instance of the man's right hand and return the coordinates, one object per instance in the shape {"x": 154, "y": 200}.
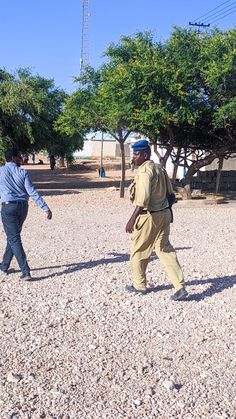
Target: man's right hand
{"x": 49, "y": 214}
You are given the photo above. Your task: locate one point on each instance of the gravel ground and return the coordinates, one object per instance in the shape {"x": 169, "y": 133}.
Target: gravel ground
{"x": 74, "y": 344}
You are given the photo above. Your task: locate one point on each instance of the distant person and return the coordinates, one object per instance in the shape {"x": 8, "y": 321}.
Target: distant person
{"x": 102, "y": 172}
{"x": 33, "y": 158}
{"x": 52, "y": 161}
{"x": 40, "y": 161}
{"x": 25, "y": 158}
{"x": 15, "y": 189}
{"x": 150, "y": 223}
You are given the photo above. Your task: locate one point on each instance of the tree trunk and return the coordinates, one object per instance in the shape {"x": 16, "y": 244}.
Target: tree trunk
{"x": 121, "y": 137}
{"x": 220, "y": 167}
{"x": 62, "y": 161}
{"x": 122, "y": 181}
{"x": 176, "y": 165}
{"x": 169, "y": 147}
{"x": 156, "y": 151}
{"x": 194, "y": 168}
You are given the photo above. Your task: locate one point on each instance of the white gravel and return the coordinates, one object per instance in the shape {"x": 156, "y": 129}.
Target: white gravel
{"x": 74, "y": 344}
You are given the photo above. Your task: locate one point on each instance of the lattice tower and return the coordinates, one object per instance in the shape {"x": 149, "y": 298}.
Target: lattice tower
{"x": 84, "y": 57}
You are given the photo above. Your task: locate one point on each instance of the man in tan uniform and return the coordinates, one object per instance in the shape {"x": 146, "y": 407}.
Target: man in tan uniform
{"x": 150, "y": 223}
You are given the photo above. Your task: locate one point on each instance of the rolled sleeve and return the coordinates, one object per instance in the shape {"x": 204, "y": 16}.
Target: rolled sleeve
{"x": 33, "y": 193}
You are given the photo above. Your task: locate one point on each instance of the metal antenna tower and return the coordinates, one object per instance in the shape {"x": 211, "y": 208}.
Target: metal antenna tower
{"x": 84, "y": 57}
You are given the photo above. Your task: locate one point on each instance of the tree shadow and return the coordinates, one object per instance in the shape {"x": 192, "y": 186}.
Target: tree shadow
{"x": 57, "y": 181}
{"x": 216, "y": 285}
{"x": 154, "y": 255}
{"x": 84, "y": 183}
{"x": 57, "y": 192}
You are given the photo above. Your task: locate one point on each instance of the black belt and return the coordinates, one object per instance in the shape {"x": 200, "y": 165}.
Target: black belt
{"x": 152, "y": 212}
{"x": 13, "y": 202}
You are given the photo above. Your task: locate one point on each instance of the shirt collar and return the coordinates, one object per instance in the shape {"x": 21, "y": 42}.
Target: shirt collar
{"x": 11, "y": 163}
{"x": 143, "y": 164}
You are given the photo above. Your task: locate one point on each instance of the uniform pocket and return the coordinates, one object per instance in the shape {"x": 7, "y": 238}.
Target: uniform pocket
{"x": 141, "y": 221}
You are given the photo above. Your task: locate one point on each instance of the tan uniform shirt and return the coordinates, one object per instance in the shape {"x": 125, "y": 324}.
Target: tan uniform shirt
{"x": 150, "y": 185}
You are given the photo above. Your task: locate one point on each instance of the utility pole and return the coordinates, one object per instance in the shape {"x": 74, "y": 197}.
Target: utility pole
{"x": 84, "y": 56}
{"x": 200, "y": 26}
{"x": 101, "y": 170}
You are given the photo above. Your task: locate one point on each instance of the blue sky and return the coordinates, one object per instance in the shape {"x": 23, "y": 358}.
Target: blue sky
{"x": 45, "y": 35}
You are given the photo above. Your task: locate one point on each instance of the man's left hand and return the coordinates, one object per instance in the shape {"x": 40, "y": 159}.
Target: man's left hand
{"x": 49, "y": 214}
{"x": 130, "y": 226}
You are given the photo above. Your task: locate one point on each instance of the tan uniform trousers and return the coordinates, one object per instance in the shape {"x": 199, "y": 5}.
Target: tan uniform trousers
{"x": 152, "y": 232}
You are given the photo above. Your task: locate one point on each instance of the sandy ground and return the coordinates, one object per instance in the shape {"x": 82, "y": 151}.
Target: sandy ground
{"x": 74, "y": 344}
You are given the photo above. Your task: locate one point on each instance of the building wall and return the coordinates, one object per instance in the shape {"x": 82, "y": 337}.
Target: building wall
{"x": 206, "y": 181}
{"x": 92, "y": 149}
{"x": 127, "y": 150}
{"x": 109, "y": 148}
{"x": 229, "y": 164}
{"x": 86, "y": 152}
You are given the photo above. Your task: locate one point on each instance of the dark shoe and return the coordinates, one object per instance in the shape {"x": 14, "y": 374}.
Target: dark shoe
{"x": 130, "y": 288}
{"x": 26, "y": 277}
{"x": 179, "y": 295}
{"x": 3, "y": 272}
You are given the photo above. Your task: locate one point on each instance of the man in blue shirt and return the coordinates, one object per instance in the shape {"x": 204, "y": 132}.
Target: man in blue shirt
{"x": 15, "y": 189}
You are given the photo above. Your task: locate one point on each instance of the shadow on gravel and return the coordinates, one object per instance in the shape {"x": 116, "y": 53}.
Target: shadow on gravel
{"x": 62, "y": 188}
{"x": 216, "y": 285}
{"x": 61, "y": 181}
{"x": 73, "y": 267}
{"x": 55, "y": 192}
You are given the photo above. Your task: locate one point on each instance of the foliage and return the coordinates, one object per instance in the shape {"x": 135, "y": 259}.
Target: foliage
{"x": 29, "y": 107}
{"x": 95, "y": 107}
{"x": 179, "y": 93}
{"x": 17, "y": 105}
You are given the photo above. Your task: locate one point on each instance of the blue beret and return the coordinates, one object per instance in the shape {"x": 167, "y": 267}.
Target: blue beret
{"x": 140, "y": 145}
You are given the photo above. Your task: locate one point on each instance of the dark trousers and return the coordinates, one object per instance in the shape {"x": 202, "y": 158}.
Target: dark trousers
{"x": 13, "y": 216}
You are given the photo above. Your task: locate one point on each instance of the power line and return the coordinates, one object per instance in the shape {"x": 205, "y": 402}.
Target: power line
{"x": 222, "y": 11}
{"x": 214, "y": 16}
{"x": 222, "y": 17}
{"x": 205, "y": 14}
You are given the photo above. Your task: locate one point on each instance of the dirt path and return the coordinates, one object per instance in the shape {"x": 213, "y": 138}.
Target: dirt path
{"x": 75, "y": 345}
{"x": 63, "y": 180}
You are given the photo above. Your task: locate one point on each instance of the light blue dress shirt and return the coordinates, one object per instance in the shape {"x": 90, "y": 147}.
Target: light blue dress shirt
{"x": 16, "y": 185}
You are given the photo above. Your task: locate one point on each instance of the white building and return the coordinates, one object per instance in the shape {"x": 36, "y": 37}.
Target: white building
{"x": 99, "y": 143}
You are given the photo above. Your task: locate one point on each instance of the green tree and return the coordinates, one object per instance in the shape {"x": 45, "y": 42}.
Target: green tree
{"x": 215, "y": 126}
{"x": 182, "y": 93}
{"x": 29, "y": 107}
{"x": 17, "y": 104}
{"x": 95, "y": 106}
